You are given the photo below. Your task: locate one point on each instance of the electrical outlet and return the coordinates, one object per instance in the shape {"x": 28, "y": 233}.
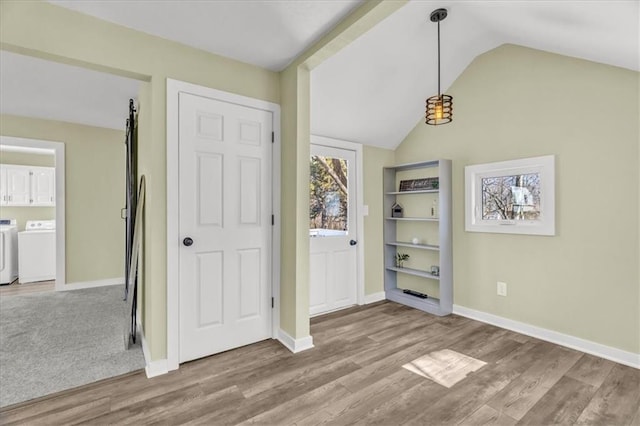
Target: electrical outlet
{"x": 502, "y": 288}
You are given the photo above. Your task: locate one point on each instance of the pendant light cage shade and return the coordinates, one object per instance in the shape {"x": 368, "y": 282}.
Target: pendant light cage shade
{"x": 439, "y": 110}
{"x": 439, "y": 107}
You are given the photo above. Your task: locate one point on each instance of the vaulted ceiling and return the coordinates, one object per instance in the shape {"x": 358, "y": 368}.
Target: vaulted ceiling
{"x": 372, "y": 91}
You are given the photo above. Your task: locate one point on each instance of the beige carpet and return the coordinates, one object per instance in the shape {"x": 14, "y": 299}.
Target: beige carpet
{"x": 54, "y": 341}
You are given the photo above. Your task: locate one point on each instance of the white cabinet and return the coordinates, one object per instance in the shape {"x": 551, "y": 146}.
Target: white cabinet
{"x": 4, "y": 196}
{"x": 43, "y": 186}
{"x": 27, "y": 185}
{"x": 18, "y": 187}
{"x": 417, "y": 223}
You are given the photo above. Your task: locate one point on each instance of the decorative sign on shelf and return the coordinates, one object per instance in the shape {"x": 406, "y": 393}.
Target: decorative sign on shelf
{"x": 419, "y": 184}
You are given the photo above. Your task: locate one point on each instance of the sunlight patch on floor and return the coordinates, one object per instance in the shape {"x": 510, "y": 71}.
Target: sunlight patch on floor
{"x": 445, "y": 367}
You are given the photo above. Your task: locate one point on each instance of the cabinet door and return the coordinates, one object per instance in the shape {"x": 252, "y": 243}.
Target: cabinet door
{"x": 4, "y": 197}
{"x": 18, "y": 186}
{"x": 43, "y": 186}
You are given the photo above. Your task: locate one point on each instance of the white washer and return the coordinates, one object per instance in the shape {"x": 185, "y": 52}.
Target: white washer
{"x": 37, "y": 251}
{"x": 8, "y": 251}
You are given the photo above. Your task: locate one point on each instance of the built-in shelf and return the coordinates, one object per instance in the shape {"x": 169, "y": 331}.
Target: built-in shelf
{"x": 396, "y": 278}
{"x": 422, "y": 219}
{"x": 416, "y": 272}
{"x": 421, "y": 191}
{"x": 416, "y": 246}
{"x": 429, "y": 304}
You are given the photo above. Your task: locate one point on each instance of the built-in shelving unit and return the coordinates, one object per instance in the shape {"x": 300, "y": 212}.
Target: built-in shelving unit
{"x": 419, "y": 221}
{"x": 415, "y": 246}
{"x": 422, "y": 191}
{"x": 416, "y": 272}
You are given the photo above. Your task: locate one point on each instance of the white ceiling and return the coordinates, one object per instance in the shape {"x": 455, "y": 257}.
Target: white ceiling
{"x": 373, "y": 91}
{"x": 269, "y": 34}
{"x": 37, "y": 88}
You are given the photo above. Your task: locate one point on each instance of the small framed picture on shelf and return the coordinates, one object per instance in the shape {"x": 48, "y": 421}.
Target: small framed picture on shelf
{"x": 435, "y": 270}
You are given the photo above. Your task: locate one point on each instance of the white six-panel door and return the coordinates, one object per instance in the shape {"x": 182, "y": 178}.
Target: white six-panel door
{"x": 225, "y": 210}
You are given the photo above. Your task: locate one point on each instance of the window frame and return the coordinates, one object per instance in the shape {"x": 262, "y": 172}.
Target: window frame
{"x": 474, "y": 174}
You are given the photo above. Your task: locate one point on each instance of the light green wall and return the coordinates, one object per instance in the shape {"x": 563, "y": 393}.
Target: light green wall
{"x": 94, "y": 192}
{"x": 293, "y": 297}
{"x": 51, "y": 32}
{"x": 22, "y": 214}
{"x": 374, "y": 159}
{"x": 27, "y": 159}
{"x": 145, "y": 150}
{"x": 514, "y": 102}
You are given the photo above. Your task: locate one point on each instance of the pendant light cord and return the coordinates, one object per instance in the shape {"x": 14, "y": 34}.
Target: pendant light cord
{"x": 438, "y": 58}
{"x": 439, "y": 107}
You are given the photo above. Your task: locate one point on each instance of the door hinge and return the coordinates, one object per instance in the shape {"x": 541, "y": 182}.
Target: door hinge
{"x": 272, "y": 303}
{"x": 273, "y": 137}
{"x": 273, "y": 220}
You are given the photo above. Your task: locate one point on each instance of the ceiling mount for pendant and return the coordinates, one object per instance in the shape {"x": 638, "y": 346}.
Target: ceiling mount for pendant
{"x": 440, "y": 107}
{"x": 438, "y": 15}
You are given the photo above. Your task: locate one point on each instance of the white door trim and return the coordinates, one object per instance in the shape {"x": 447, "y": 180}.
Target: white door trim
{"x": 174, "y": 87}
{"x": 357, "y": 148}
{"x": 58, "y": 150}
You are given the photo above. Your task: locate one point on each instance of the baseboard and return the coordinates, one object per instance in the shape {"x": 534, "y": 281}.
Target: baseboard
{"x": 373, "y": 298}
{"x": 156, "y": 368}
{"x": 91, "y": 284}
{"x": 153, "y": 368}
{"x": 295, "y": 345}
{"x": 613, "y": 354}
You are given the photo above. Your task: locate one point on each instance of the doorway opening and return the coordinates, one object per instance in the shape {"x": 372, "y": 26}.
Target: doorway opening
{"x": 71, "y": 334}
{"x": 33, "y": 196}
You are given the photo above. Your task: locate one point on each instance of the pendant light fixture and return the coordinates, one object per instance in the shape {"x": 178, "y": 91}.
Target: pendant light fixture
{"x": 440, "y": 107}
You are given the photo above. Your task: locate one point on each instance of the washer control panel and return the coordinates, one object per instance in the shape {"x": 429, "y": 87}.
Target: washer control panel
{"x": 40, "y": 225}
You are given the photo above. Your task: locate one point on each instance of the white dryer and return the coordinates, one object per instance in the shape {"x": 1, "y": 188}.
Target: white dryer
{"x": 8, "y": 251}
{"x": 37, "y": 251}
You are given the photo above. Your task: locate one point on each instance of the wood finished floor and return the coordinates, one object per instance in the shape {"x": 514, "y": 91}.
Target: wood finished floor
{"x": 354, "y": 375}
{"x": 15, "y": 289}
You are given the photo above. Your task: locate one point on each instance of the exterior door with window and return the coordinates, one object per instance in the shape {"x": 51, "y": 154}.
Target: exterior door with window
{"x": 332, "y": 229}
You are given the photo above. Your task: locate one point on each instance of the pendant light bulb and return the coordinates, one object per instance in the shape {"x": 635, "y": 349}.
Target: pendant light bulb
{"x": 438, "y": 107}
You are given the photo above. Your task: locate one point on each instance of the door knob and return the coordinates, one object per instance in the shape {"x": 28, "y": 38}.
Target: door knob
{"x": 353, "y": 242}
{"x": 187, "y": 241}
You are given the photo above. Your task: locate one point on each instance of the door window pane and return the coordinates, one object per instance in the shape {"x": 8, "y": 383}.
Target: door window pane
{"x": 328, "y": 197}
